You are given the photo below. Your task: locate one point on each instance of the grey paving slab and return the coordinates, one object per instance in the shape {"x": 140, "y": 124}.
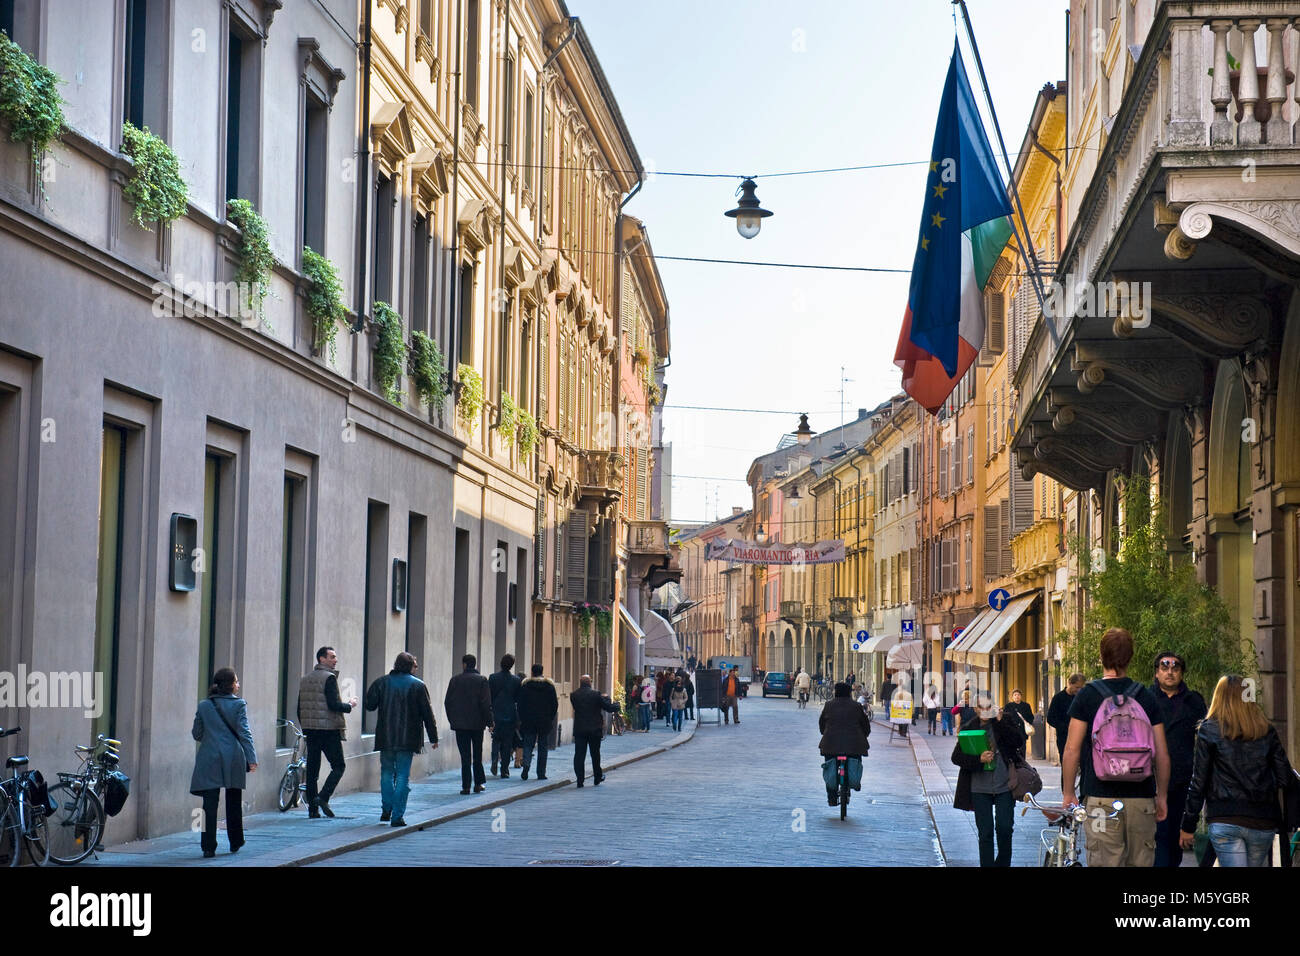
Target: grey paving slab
{"x": 748, "y": 794}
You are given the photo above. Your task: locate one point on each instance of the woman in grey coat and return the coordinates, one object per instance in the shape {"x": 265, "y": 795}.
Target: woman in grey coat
{"x": 225, "y": 756}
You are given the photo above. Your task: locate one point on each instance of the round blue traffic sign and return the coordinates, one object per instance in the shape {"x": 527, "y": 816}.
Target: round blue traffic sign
{"x": 998, "y": 599}
{"x": 862, "y": 637}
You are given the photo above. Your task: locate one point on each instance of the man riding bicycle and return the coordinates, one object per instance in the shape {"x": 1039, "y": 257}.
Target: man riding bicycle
{"x": 803, "y": 684}
{"x": 845, "y": 728}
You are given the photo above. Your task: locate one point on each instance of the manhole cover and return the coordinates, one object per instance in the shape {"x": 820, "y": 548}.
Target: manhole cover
{"x": 573, "y": 862}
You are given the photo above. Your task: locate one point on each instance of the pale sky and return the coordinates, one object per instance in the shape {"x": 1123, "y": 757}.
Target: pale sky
{"x": 767, "y": 86}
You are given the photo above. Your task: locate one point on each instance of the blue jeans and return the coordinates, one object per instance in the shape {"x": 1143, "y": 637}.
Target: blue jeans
{"x": 946, "y": 717}
{"x": 1241, "y": 846}
{"x": 395, "y": 780}
{"x": 985, "y": 804}
{"x": 677, "y": 719}
{"x": 645, "y": 716}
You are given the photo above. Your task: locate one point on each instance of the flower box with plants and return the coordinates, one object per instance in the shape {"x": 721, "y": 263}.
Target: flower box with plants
{"x": 324, "y": 300}
{"x": 508, "y": 420}
{"x": 469, "y": 398}
{"x": 390, "y": 351}
{"x": 527, "y": 433}
{"x": 255, "y": 257}
{"x": 29, "y": 99}
{"x": 588, "y": 614}
{"x": 428, "y": 369}
{"x": 155, "y": 190}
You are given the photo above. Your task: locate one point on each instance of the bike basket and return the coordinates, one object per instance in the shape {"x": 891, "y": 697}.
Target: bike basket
{"x": 117, "y": 787}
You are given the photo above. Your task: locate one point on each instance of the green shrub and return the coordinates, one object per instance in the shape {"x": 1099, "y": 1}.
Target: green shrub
{"x": 390, "y": 351}
{"x": 428, "y": 369}
{"x": 324, "y": 299}
{"x": 527, "y": 433}
{"x": 255, "y": 257}
{"x": 508, "y": 422}
{"x": 155, "y": 188}
{"x": 470, "y": 401}
{"x": 29, "y": 98}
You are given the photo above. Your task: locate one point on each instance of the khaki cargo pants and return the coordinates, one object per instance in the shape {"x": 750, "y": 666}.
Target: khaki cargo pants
{"x": 1128, "y": 840}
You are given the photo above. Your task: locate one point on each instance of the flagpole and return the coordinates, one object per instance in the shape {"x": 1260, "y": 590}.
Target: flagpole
{"x": 1031, "y": 255}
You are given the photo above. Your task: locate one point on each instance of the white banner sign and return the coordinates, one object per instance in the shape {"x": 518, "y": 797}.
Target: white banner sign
{"x": 750, "y": 552}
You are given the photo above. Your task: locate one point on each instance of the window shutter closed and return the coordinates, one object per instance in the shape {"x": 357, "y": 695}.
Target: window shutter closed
{"x": 943, "y": 471}
{"x": 1022, "y": 503}
{"x": 559, "y": 552}
{"x": 575, "y": 558}
{"x": 539, "y": 548}
{"x": 908, "y": 467}
{"x": 997, "y": 323}
{"x": 956, "y": 464}
{"x": 562, "y": 418}
{"x": 970, "y": 455}
{"x": 916, "y": 466}
{"x": 914, "y": 586}
{"x": 544, "y": 367}
{"x": 642, "y": 482}
{"x": 991, "y": 539}
{"x": 1004, "y": 564}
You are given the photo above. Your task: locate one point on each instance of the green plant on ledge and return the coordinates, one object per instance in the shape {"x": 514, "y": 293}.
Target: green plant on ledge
{"x": 255, "y": 257}
{"x": 508, "y": 420}
{"x": 29, "y": 98}
{"x": 470, "y": 401}
{"x": 155, "y": 189}
{"x": 527, "y": 434}
{"x": 428, "y": 369}
{"x": 324, "y": 300}
{"x": 390, "y": 351}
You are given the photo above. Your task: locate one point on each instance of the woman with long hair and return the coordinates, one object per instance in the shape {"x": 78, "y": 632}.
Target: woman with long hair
{"x": 1237, "y": 769}
{"x": 225, "y": 757}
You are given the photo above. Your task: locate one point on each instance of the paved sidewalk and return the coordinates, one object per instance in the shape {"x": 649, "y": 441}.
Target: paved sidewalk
{"x": 292, "y": 839}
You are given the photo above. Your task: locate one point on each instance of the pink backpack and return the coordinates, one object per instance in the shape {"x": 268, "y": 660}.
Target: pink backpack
{"x": 1123, "y": 741}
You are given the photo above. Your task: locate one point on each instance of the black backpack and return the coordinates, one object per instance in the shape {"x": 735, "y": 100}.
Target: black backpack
{"x": 117, "y": 787}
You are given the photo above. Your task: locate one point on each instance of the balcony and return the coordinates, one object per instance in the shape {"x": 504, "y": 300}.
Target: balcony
{"x": 842, "y": 609}
{"x": 1186, "y": 222}
{"x": 601, "y": 475}
{"x": 816, "y": 614}
{"x": 647, "y": 537}
{"x": 1037, "y": 548}
{"x": 792, "y": 611}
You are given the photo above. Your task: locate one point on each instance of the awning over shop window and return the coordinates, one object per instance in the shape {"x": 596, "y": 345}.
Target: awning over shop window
{"x": 632, "y": 624}
{"x": 661, "y": 648}
{"x": 970, "y": 634}
{"x": 906, "y": 655}
{"x": 996, "y": 632}
{"x": 878, "y": 645}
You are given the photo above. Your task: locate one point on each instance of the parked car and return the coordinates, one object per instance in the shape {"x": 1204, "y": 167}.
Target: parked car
{"x": 778, "y": 682}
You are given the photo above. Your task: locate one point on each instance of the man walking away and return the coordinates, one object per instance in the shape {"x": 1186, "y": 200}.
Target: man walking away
{"x": 690, "y": 697}
{"x": 504, "y": 687}
{"x": 320, "y": 715}
{"x": 1181, "y": 710}
{"x": 538, "y": 705}
{"x": 677, "y": 700}
{"x": 589, "y": 708}
{"x": 1117, "y": 737}
{"x": 731, "y": 696}
{"x": 405, "y": 714}
{"x": 469, "y": 709}
{"x": 803, "y": 686}
{"x": 1058, "y": 712}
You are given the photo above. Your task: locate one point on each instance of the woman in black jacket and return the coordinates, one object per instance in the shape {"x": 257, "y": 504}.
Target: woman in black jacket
{"x": 845, "y": 728}
{"x": 1237, "y": 768}
{"x": 984, "y": 782}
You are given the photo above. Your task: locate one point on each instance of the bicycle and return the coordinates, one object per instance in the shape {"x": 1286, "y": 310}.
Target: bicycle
{"x": 1062, "y": 848}
{"x": 617, "y": 725}
{"x": 842, "y": 776}
{"x": 294, "y": 781}
{"x": 80, "y": 815}
{"x": 824, "y": 691}
{"x": 22, "y": 813}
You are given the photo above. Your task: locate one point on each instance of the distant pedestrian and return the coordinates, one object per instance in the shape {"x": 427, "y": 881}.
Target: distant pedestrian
{"x": 320, "y": 715}
{"x": 1238, "y": 768}
{"x": 690, "y": 697}
{"x": 589, "y": 708}
{"x": 1181, "y": 711}
{"x": 803, "y": 687}
{"x": 984, "y": 783}
{"x": 405, "y": 716}
{"x": 1118, "y": 740}
{"x": 931, "y": 704}
{"x": 1058, "y": 712}
{"x": 647, "y": 704}
{"x": 945, "y": 714}
{"x": 469, "y": 710}
{"x": 962, "y": 713}
{"x": 677, "y": 699}
{"x": 730, "y": 693}
{"x": 226, "y": 755}
{"x": 691, "y": 662}
{"x": 539, "y": 704}
{"x": 504, "y": 688}
{"x": 1019, "y": 709}
{"x": 661, "y": 697}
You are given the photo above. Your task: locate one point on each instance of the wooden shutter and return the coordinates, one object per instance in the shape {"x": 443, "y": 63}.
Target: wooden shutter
{"x": 970, "y": 455}
{"x": 1004, "y": 523}
{"x": 943, "y": 471}
{"x": 543, "y": 365}
{"x": 909, "y": 466}
{"x": 1022, "y": 503}
{"x": 957, "y": 463}
{"x": 997, "y": 316}
{"x": 562, "y": 417}
{"x": 539, "y": 548}
{"x": 642, "y": 482}
{"x": 916, "y": 466}
{"x": 559, "y": 552}
{"x": 914, "y": 585}
{"x": 991, "y": 541}
{"x": 576, "y": 534}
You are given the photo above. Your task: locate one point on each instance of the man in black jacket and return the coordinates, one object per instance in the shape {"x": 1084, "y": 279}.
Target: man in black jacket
{"x": 1181, "y": 710}
{"x": 469, "y": 709}
{"x": 1058, "y": 712}
{"x": 402, "y": 700}
{"x": 538, "y": 704}
{"x": 589, "y": 708}
{"x": 504, "y": 687}
{"x": 845, "y": 728}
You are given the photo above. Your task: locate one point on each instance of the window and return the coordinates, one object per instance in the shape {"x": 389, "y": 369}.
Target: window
{"x": 293, "y": 580}
{"x": 426, "y": 18}
{"x": 460, "y": 600}
{"x": 471, "y": 52}
{"x": 243, "y": 88}
{"x": 18, "y": 20}
{"x": 465, "y": 325}
{"x": 417, "y": 554}
{"x": 374, "y": 623}
{"x": 970, "y": 455}
{"x": 108, "y": 603}
{"x": 420, "y": 276}
{"x": 315, "y": 124}
{"x": 508, "y": 141}
{"x": 529, "y": 152}
{"x": 385, "y": 196}
{"x": 144, "y": 66}
{"x": 525, "y": 381}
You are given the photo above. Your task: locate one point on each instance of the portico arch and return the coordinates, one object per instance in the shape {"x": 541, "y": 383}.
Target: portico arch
{"x": 1231, "y": 483}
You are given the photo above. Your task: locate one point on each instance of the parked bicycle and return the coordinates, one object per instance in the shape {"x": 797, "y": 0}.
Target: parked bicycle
{"x": 23, "y": 804}
{"x": 294, "y": 782}
{"x": 83, "y": 801}
{"x": 824, "y": 691}
{"x": 1061, "y": 848}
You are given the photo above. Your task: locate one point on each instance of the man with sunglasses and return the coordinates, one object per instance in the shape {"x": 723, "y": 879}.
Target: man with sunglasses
{"x": 1181, "y": 710}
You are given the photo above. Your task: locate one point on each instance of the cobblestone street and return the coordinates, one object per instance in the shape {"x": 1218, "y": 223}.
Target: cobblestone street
{"x": 747, "y": 794}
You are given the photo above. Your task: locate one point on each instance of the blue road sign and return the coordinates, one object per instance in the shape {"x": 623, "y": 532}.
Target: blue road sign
{"x": 998, "y": 599}
{"x": 862, "y": 637}
{"x": 909, "y": 627}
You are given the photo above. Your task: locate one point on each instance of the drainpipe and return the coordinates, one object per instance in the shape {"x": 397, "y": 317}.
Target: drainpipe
{"x": 363, "y": 197}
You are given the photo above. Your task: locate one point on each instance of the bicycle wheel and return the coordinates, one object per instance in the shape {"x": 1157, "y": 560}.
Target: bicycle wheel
{"x": 289, "y": 787}
{"x": 77, "y": 824}
{"x": 37, "y": 836}
{"x": 10, "y": 847}
{"x": 844, "y": 798}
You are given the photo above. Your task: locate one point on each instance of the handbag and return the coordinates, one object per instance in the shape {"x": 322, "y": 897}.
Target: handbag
{"x": 1023, "y": 779}
{"x": 226, "y": 720}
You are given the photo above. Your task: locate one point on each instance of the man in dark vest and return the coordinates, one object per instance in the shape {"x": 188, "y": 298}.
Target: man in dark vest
{"x": 538, "y": 705}
{"x": 469, "y": 710}
{"x": 320, "y": 714}
{"x": 1181, "y": 710}
{"x": 589, "y": 707}
{"x": 504, "y": 688}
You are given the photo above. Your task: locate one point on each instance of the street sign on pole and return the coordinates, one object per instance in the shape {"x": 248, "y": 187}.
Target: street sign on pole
{"x": 859, "y": 639}
{"x": 909, "y": 627}
{"x": 998, "y": 599}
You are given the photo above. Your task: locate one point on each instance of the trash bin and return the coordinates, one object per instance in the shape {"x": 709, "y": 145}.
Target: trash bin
{"x": 1038, "y": 743}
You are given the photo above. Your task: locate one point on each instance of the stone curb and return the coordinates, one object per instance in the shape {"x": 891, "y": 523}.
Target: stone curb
{"x": 297, "y": 858}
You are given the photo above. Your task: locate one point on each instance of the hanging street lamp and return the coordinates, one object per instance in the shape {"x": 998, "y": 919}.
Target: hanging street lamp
{"x": 803, "y": 434}
{"x": 749, "y": 215}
